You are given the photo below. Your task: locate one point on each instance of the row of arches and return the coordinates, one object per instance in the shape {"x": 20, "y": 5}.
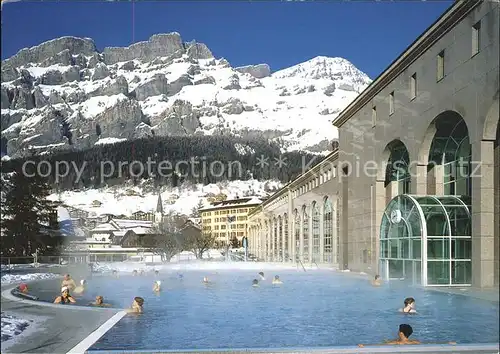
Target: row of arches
{"x": 308, "y": 235}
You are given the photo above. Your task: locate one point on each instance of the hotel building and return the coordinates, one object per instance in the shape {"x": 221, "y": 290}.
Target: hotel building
{"x": 227, "y": 219}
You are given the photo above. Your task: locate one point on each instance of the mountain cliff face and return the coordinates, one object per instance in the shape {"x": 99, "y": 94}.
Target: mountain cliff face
{"x": 66, "y": 95}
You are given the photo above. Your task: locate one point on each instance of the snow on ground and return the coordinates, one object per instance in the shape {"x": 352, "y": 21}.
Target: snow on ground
{"x": 12, "y": 326}
{"x": 21, "y": 278}
{"x": 127, "y": 200}
{"x": 193, "y": 265}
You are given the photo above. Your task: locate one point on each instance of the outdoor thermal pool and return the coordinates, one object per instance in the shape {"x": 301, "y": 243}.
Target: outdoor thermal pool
{"x": 317, "y": 308}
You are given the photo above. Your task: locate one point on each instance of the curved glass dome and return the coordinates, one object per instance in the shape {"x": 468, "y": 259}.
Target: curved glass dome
{"x": 427, "y": 239}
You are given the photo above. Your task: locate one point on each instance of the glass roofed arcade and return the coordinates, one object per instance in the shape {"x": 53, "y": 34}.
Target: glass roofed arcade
{"x": 427, "y": 240}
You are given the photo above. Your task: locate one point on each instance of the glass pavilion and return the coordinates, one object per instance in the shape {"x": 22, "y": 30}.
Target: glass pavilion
{"x": 427, "y": 240}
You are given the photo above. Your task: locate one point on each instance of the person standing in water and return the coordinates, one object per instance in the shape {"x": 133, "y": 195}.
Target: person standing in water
{"x": 277, "y": 280}
{"x": 377, "y": 281}
{"x": 80, "y": 289}
{"x": 157, "y": 286}
{"x": 99, "y": 301}
{"x": 409, "y": 305}
{"x": 65, "y": 297}
{"x": 68, "y": 282}
{"x": 137, "y": 305}
{"x": 404, "y": 333}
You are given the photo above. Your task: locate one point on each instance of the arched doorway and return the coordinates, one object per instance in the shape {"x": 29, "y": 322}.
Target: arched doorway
{"x": 397, "y": 173}
{"x": 327, "y": 231}
{"x": 315, "y": 214}
{"x": 426, "y": 240}
{"x": 286, "y": 251}
{"x": 450, "y": 153}
{"x": 305, "y": 235}
{"x": 296, "y": 235}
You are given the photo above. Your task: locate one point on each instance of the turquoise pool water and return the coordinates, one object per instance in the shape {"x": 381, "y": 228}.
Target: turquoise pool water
{"x": 311, "y": 309}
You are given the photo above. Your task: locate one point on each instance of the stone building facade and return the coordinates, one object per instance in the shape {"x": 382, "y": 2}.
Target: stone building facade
{"x": 413, "y": 189}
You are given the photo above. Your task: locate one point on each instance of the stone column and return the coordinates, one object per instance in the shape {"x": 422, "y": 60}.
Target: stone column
{"x": 483, "y": 245}
{"x": 335, "y": 256}
{"x": 419, "y": 182}
{"x": 380, "y": 205}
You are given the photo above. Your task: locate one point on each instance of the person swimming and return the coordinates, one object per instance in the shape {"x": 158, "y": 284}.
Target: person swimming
{"x": 409, "y": 305}
{"x": 137, "y": 305}
{"x": 134, "y": 272}
{"x": 157, "y": 272}
{"x": 142, "y": 272}
{"x": 261, "y": 274}
{"x": 206, "y": 280}
{"x": 157, "y": 286}
{"x": 115, "y": 273}
{"x": 99, "y": 301}
{"x": 23, "y": 288}
{"x": 377, "y": 281}
{"x": 80, "y": 289}
{"x": 65, "y": 297}
{"x": 180, "y": 276}
{"x": 68, "y": 282}
{"x": 255, "y": 283}
{"x": 277, "y": 280}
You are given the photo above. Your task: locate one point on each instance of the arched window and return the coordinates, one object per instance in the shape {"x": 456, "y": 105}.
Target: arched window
{"x": 451, "y": 149}
{"x": 315, "y": 232}
{"x": 305, "y": 235}
{"x": 280, "y": 237}
{"x": 397, "y": 170}
{"x": 296, "y": 234}
{"x": 285, "y": 231}
{"x": 327, "y": 231}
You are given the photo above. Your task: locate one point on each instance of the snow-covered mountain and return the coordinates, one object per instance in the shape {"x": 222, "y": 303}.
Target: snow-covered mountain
{"x": 65, "y": 94}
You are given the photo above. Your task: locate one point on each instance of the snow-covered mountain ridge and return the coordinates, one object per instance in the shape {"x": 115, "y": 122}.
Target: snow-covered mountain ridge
{"x": 66, "y": 95}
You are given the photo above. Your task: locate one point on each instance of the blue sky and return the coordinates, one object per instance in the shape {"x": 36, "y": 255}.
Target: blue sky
{"x": 370, "y": 34}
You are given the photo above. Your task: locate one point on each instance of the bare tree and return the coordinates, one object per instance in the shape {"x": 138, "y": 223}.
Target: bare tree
{"x": 167, "y": 238}
{"x": 199, "y": 242}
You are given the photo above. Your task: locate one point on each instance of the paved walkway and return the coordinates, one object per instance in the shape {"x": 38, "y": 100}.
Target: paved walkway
{"x": 55, "y": 329}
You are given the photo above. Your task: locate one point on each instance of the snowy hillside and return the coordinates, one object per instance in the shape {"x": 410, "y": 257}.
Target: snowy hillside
{"x": 64, "y": 94}
{"x": 127, "y": 200}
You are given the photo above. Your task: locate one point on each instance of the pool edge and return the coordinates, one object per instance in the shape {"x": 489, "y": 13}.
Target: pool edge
{"x": 93, "y": 337}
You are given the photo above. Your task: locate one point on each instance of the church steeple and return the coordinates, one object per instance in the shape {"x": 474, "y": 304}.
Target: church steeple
{"x": 159, "y": 205}
{"x": 159, "y": 210}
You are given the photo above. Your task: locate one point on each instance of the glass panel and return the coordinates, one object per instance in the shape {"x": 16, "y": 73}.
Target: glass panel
{"x": 384, "y": 250}
{"x": 460, "y": 221}
{"x": 438, "y": 272}
{"x": 396, "y": 269}
{"x": 405, "y": 248}
{"x": 426, "y": 201}
{"x": 436, "y": 221}
{"x": 393, "y": 252}
{"x": 462, "y": 186}
{"x": 414, "y": 223}
{"x": 418, "y": 272}
{"x": 385, "y": 226}
{"x": 461, "y": 272}
{"x": 416, "y": 248}
{"x": 449, "y": 200}
{"x": 408, "y": 271}
{"x": 438, "y": 248}
{"x": 461, "y": 248}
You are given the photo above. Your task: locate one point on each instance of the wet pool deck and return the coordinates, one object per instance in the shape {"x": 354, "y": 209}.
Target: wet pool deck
{"x": 54, "y": 329}
{"x": 61, "y": 329}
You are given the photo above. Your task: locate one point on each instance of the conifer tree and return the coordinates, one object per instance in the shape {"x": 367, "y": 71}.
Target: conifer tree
{"x": 27, "y": 214}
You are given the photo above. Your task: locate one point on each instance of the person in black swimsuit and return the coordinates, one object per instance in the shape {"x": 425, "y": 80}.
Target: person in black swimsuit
{"x": 65, "y": 297}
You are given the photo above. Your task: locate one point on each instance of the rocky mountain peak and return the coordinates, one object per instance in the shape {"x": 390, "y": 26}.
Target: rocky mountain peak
{"x": 64, "y": 94}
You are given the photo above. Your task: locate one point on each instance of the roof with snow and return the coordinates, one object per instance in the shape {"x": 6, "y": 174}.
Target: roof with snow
{"x": 239, "y": 202}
